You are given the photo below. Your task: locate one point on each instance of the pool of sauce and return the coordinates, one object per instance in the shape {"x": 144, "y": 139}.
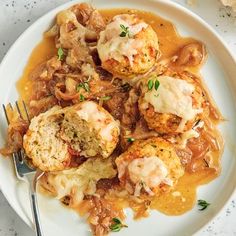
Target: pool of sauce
{"x": 183, "y": 197}
{"x": 41, "y": 53}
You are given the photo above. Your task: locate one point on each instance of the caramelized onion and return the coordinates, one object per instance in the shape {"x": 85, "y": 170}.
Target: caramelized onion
{"x": 212, "y": 141}
{"x": 142, "y": 132}
{"x": 198, "y": 147}
{"x": 65, "y": 96}
{"x": 82, "y": 12}
{"x": 70, "y": 85}
{"x": 215, "y": 114}
{"x": 185, "y": 155}
{"x": 52, "y": 32}
{"x": 40, "y": 90}
{"x": 37, "y": 71}
{"x": 101, "y": 213}
{"x": 131, "y": 111}
{"x": 192, "y": 54}
{"x": 116, "y": 104}
{"x": 42, "y": 105}
{"x": 96, "y": 21}
{"x": 15, "y": 133}
{"x": 89, "y": 17}
{"x": 107, "y": 183}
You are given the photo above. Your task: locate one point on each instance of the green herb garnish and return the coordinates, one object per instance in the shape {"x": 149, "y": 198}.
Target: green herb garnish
{"x": 60, "y": 54}
{"x": 117, "y": 225}
{"x": 130, "y": 140}
{"x": 81, "y": 97}
{"x": 150, "y": 84}
{"x": 125, "y": 31}
{"x": 204, "y": 204}
{"x": 83, "y": 85}
{"x": 157, "y": 84}
{"x": 105, "y": 98}
{"x": 86, "y": 87}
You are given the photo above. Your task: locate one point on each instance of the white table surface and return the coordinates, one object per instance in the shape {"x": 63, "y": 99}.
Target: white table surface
{"x": 16, "y": 16}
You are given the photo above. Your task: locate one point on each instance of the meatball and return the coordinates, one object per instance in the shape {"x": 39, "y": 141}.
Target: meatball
{"x": 149, "y": 166}
{"x": 171, "y": 105}
{"x": 42, "y": 143}
{"x": 90, "y": 130}
{"x": 128, "y": 46}
{"x": 85, "y": 129}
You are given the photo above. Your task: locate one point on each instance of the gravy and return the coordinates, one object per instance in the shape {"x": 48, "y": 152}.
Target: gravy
{"x": 183, "y": 197}
{"x": 41, "y": 53}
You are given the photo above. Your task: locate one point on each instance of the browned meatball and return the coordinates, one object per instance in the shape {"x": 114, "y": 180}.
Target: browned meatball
{"x": 128, "y": 46}
{"x": 172, "y": 105}
{"x": 149, "y": 166}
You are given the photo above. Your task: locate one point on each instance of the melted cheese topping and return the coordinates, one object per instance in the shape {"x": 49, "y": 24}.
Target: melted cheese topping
{"x": 76, "y": 182}
{"x": 98, "y": 119}
{"x": 149, "y": 171}
{"x": 172, "y": 96}
{"x": 111, "y": 45}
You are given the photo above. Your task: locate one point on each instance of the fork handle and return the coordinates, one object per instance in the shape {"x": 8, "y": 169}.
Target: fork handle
{"x": 35, "y": 212}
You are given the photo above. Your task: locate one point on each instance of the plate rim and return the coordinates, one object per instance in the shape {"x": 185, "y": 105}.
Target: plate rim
{"x": 174, "y": 4}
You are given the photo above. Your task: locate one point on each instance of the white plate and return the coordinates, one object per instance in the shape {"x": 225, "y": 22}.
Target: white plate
{"x": 219, "y": 74}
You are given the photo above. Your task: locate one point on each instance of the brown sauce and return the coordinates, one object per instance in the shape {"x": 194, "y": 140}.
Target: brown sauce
{"x": 41, "y": 53}
{"x": 183, "y": 197}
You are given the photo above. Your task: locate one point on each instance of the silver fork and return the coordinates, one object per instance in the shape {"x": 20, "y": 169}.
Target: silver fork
{"x": 26, "y": 172}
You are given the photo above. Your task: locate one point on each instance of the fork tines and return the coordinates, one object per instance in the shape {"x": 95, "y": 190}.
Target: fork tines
{"x": 18, "y": 157}
{"x": 25, "y": 110}
{"x": 5, "y": 112}
{"x": 18, "y": 110}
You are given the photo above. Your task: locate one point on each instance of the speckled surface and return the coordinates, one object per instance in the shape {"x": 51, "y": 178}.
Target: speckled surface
{"x": 16, "y": 16}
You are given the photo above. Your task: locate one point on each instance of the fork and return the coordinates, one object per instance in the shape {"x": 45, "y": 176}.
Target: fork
{"x": 26, "y": 172}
